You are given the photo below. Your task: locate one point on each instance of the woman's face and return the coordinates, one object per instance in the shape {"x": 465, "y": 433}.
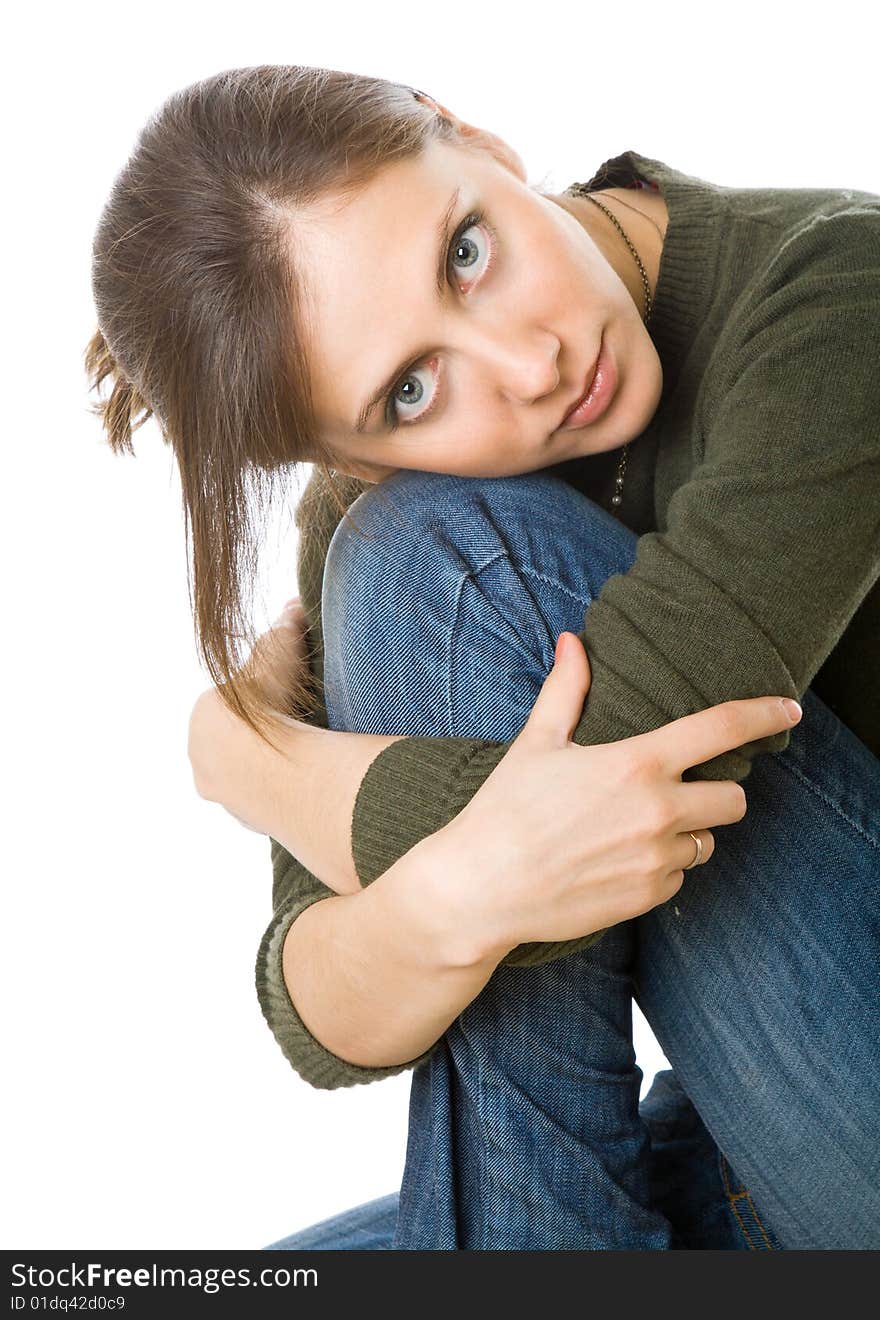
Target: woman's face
{"x": 472, "y": 308}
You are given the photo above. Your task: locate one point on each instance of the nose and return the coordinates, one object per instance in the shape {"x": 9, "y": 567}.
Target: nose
{"x": 523, "y": 364}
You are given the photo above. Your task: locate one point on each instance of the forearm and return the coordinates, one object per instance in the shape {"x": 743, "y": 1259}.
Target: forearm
{"x": 378, "y": 976}
{"x": 302, "y": 794}
{"x": 305, "y": 796}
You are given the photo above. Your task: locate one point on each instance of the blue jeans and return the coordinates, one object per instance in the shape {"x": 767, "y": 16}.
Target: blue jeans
{"x": 759, "y": 978}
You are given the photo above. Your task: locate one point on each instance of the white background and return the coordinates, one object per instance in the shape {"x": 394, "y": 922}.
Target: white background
{"x": 147, "y": 1104}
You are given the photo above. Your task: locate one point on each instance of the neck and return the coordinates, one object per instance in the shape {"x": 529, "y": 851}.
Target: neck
{"x": 644, "y": 224}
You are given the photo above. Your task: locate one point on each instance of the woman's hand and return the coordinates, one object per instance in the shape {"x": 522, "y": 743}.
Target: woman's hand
{"x": 563, "y": 840}
{"x": 280, "y": 653}
{"x": 217, "y": 738}
{"x": 301, "y": 788}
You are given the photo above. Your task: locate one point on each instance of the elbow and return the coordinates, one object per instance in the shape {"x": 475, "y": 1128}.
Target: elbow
{"x": 202, "y": 781}
{"x": 197, "y": 747}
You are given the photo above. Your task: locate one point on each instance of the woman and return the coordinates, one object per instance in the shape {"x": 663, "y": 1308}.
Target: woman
{"x": 250, "y": 248}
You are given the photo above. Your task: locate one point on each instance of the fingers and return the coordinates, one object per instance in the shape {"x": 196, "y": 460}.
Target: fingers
{"x": 688, "y": 855}
{"x": 560, "y": 703}
{"x": 697, "y": 738}
{"x": 699, "y": 807}
{"x": 703, "y": 804}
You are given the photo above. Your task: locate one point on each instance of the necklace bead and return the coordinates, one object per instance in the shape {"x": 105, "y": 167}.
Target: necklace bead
{"x": 579, "y": 190}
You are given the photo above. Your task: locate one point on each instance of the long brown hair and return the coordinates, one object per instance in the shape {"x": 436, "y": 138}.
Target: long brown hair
{"x": 197, "y": 302}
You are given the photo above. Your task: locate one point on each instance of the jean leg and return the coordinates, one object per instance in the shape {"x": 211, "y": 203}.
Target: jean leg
{"x": 442, "y": 603}
{"x": 760, "y": 977}
{"x": 524, "y": 1125}
{"x": 692, "y": 1183}
{"x": 368, "y": 1227}
{"x": 760, "y": 981}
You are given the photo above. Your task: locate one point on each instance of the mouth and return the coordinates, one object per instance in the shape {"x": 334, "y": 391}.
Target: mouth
{"x": 599, "y": 391}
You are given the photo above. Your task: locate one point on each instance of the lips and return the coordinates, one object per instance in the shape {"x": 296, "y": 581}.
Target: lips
{"x": 589, "y": 385}
{"x": 597, "y": 395}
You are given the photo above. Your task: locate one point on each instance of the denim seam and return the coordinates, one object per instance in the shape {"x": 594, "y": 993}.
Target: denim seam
{"x": 491, "y": 1207}
{"x": 829, "y": 802}
{"x": 732, "y": 1198}
{"x": 456, "y": 615}
{"x": 486, "y": 1182}
{"x": 586, "y": 601}
{"x": 523, "y": 569}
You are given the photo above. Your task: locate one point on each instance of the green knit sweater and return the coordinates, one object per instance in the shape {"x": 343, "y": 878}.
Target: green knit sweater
{"x": 755, "y": 491}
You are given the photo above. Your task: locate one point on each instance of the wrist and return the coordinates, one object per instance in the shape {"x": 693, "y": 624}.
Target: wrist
{"x": 433, "y": 898}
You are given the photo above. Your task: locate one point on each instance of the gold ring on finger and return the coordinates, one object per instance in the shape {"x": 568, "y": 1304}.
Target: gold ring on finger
{"x": 699, "y": 855}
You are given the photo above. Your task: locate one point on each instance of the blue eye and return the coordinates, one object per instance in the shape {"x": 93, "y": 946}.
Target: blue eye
{"x": 409, "y": 391}
{"x": 464, "y": 252}
{"x": 472, "y": 250}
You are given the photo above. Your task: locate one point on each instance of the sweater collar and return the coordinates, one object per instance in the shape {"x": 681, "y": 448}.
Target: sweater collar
{"x": 689, "y": 260}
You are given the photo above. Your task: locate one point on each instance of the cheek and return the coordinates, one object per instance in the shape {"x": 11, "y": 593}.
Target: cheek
{"x": 642, "y": 383}
{"x": 574, "y": 290}
{"x": 539, "y": 264}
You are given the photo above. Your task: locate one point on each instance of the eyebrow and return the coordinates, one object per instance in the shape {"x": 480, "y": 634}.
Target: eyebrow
{"x": 444, "y": 237}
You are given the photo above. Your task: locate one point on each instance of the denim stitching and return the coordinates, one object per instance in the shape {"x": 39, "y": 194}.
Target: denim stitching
{"x": 465, "y": 577}
{"x": 754, "y": 1210}
{"x": 554, "y": 582}
{"x": 829, "y": 802}
{"x": 732, "y": 1198}
{"x": 486, "y": 1181}
{"x": 471, "y": 576}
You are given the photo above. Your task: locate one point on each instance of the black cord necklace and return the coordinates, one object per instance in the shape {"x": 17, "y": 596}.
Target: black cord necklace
{"x": 579, "y": 190}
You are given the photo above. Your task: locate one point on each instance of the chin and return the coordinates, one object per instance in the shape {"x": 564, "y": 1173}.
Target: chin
{"x": 629, "y": 414}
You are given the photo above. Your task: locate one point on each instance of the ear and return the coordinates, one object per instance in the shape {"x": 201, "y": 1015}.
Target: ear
{"x": 480, "y": 137}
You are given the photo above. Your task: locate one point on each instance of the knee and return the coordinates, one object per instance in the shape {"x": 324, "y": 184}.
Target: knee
{"x": 415, "y": 528}
{"x": 389, "y": 536}
{"x": 406, "y": 542}
{"x": 391, "y": 583}
{"x": 436, "y": 585}
{"x": 385, "y": 556}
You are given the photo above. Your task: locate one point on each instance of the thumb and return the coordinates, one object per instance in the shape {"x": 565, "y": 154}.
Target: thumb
{"x": 560, "y": 702}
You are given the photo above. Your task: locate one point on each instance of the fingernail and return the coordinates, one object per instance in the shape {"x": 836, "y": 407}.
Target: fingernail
{"x": 792, "y": 709}
{"x": 560, "y": 647}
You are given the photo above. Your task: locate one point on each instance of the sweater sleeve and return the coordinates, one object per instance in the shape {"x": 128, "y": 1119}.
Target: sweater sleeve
{"x": 768, "y": 547}
{"x": 294, "y": 889}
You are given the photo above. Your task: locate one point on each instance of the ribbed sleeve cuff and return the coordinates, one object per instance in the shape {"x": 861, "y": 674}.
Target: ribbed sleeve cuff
{"x": 415, "y": 787}
{"x": 313, "y": 1062}
{"x": 412, "y": 789}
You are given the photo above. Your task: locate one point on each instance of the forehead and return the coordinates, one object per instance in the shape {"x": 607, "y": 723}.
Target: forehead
{"x": 332, "y": 233}
{"x": 402, "y": 181}
{"x": 364, "y": 266}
